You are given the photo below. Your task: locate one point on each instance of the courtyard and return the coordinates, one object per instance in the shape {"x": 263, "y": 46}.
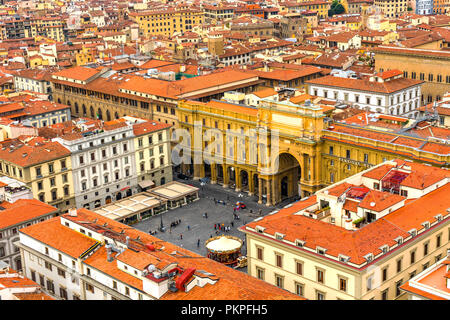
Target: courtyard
{"x": 195, "y": 226}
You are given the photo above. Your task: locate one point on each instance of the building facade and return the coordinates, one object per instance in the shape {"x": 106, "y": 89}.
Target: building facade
{"x": 76, "y": 257}
{"x": 234, "y": 162}
{"x": 387, "y": 92}
{"x": 43, "y": 166}
{"x": 430, "y": 66}
{"x": 103, "y": 162}
{"x": 24, "y": 213}
{"x": 354, "y": 240}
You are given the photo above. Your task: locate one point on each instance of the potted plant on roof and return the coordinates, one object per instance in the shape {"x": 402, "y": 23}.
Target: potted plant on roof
{"x": 358, "y": 222}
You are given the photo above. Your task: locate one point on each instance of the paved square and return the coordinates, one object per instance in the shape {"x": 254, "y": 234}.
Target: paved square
{"x": 203, "y": 228}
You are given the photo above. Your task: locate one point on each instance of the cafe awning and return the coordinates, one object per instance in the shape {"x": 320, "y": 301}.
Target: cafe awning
{"x": 146, "y": 184}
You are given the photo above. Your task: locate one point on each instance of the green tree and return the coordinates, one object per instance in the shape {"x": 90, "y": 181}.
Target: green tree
{"x": 336, "y": 8}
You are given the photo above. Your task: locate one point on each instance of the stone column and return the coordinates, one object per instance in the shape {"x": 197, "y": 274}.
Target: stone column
{"x": 274, "y": 190}
{"x": 260, "y": 188}
{"x": 269, "y": 191}
{"x": 313, "y": 169}
{"x": 305, "y": 167}
{"x": 251, "y": 186}
{"x": 237, "y": 179}
{"x": 213, "y": 173}
{"x": 199, "y": 171}
{"x": 226, "y": 178}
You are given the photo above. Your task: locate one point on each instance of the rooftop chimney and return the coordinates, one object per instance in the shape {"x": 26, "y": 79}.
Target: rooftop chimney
{"x": 108, "y": 252}
{"x": 73, "y": 212}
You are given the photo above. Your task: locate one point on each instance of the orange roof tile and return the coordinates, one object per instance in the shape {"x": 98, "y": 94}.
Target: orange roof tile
{"x": 24, "y": 210}
{"x": 59, "y": 237}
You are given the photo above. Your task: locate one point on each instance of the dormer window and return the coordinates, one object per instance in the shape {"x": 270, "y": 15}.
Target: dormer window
{"x": 438, "y": 217}
{"x": 279, "y": 236}
{"x": 384, "y": 249}
{"x": 399, "y": 240}
{"x": 413, "y": 232}
{"x": 343, "y": 258}
{"x": 299, "y": 243}
{"x": 369, "y": 257}
{"x": 321, "y": 250}
{"x": 260, "y": 229}
{"x": 426, "y": 224}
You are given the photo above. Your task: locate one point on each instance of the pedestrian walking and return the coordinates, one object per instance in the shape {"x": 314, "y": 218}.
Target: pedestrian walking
{"x": 188, "y": 227}
{"x": 215, "y": 226}
{"x": 198, "y": 243}
{"x": 181, "y": 236}
{"x": 232, "y": 223}
{"x": 206, "y": 215}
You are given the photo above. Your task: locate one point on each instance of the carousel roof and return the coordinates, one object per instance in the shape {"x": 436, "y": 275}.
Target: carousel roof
{"x": 222, "y": 244}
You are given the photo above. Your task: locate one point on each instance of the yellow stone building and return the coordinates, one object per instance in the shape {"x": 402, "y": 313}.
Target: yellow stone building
{"x": 431, "y": 66}
{"x": 312, "y": 152}
{"x": 301, "y": 249}
{"x": 273, "y": 173}
{"x": 44, "y": 166}
{"x": 167, "y": 22}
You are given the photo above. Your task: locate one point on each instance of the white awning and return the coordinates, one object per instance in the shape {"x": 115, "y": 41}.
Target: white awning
{"x": 146, "y": 184}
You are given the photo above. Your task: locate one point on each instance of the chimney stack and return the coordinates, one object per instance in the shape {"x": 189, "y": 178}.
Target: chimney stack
{"x": 73, "y": 212}
{"x": 108, "y": 252}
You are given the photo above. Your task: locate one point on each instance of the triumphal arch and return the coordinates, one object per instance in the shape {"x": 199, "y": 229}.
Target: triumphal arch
{"x": 271, "y": 150}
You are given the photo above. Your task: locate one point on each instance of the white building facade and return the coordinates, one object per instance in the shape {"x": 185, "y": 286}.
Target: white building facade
{"x": 104, "y": 166}
{"x": 404, "y": 101}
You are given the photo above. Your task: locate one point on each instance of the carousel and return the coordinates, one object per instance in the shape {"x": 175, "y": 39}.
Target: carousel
{"x": 224, "y": 249}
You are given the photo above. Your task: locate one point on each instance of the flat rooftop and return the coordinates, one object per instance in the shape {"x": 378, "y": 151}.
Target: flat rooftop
{"x": 173, "y": 190}
{"x": 129, "y": 206}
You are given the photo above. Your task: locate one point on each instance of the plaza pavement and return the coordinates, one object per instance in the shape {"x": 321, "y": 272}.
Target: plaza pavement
{"x": 203, "y": 228}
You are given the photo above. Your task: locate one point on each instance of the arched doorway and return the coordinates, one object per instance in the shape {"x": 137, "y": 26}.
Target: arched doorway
{"x": 284, "y": 187}
{"x": 76, "y": 108}
{"x": 244, "y": 180}
{"x": 108, "y": 115}
{"x": 129, "y": 192}
{"x": 289, "y": 174}
{"x": 207, "y": 170}
{"x": 219, "y": 173}
{"x": 99, "y": 114}
{"x": 91, "y": 109}
{"x": 118, "y": 196}
{"x": 232, "y": 176}
{"x": 108, "y": 199}
{"x": 84, "y": 110}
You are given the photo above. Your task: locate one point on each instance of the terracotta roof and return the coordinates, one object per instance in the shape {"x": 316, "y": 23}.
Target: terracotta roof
{"x": 77, "y": 73}
{"x": 32, "y": 152}
{"x": 149, "y": 126}
{"x": 231, "y": 284}
{"x": 33, "y": 296}
{"x": 54, "y": 234}
{"x": 263, "y": 93}
{"x": 24, "y": 210}
{"x": 366, "y": 85}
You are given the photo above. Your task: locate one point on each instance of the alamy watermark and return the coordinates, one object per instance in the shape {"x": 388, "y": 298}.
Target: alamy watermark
{"x": 212, "y": 146}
